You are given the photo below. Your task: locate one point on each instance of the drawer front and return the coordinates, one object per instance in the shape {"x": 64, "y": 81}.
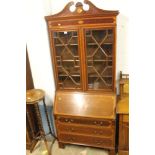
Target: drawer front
{"x": 86, "y": 140}
{"x": 105, "y": 123}
{"x": 124, "y": 136}
{"x": 88, "y": 130}
{"x": 81, "y": 22}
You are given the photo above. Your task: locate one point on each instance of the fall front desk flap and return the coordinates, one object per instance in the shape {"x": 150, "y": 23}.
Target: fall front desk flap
{"x": 85, "y": 104}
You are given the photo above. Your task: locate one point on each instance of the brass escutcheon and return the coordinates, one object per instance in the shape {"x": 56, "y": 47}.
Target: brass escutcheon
{"x": 59, "y": 98}
{"x": 80, "y": 22}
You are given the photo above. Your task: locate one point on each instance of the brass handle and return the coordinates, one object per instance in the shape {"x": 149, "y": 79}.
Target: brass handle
{"x": 72, "y": 120}
{"x": 72, "y": 129}
{"x": 95, "y": 122}
{"x": 66, "y": 120}
{"x": 95, "y": 131}
{"x": 101, "y": 123}
{"x": 80, "y": 21}
{"x": 98, "y": 143}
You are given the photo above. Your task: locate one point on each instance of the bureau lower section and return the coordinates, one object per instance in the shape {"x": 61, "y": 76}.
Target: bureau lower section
{"x": 86, "y": 131}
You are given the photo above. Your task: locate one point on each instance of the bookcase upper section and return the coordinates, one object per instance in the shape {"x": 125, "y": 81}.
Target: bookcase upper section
{"x": 83, "y": 47}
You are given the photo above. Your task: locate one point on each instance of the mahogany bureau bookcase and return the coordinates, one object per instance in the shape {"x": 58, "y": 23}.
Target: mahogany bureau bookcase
{"x": 83, "y": 52}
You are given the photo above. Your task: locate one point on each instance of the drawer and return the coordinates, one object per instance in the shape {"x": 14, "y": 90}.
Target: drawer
{"x": 86, "y": 140}
{"x": 81, "y": 22}
{"x": 105, "y": 123}
{"x": 123, "y": 135}
{"x": 87, "y": 130}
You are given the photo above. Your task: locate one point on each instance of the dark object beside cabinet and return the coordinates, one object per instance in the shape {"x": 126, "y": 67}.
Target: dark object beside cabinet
{"x": 30, "y": 108}
{"x": 123, "y": 112}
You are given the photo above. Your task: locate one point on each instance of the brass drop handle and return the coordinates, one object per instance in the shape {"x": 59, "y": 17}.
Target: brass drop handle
{"x": 66, "y": 120}
{"x": 80, "y": 21}
{"x": 95, "y": 122}
{"x": 72, "y": 120}
{"x": 99, "y": 143}
{"x": 101, "y": 123}
{"x": 95, "y": 131}
{"x": 72, "y": 129}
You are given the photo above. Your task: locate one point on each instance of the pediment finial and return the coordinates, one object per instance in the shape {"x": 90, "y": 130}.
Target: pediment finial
{"x": 86, "y": 8}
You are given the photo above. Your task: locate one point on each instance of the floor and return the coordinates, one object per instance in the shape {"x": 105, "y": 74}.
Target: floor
{"x": 69, "y": 150}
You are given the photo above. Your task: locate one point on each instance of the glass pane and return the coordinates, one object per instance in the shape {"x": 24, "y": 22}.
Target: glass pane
{"x": 99, "y": 48}
{"x": 68, "y": 60}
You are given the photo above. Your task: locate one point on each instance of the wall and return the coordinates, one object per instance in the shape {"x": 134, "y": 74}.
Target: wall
{"x": 38, "y": 47}
{"x": 38, "y": 43}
